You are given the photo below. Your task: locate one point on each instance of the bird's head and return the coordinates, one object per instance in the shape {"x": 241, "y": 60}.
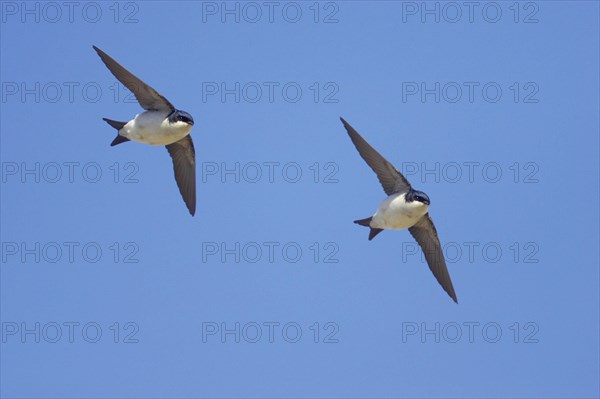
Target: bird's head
{"x": 418, "y": 196}
{"x": 181, "y": 116}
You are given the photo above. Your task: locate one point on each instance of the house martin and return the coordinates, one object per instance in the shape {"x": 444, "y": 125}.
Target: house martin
{"x": 404, "y": 208}
{"x": 160, "y": 124}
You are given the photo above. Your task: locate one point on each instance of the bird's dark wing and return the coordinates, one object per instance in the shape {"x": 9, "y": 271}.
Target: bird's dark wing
{"x": 184, "y": 164}
{"x": 426, "y": 235}
{"x": 392, "y": 181}
{"x": 148, "y": 98}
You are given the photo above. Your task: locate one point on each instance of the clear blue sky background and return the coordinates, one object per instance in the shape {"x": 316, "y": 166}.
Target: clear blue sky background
{"x": 541, "y": 293}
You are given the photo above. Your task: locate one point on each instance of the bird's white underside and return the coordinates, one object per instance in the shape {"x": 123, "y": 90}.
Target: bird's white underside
{"x": 152, "y": 127}
{"x": 396, "y": 214}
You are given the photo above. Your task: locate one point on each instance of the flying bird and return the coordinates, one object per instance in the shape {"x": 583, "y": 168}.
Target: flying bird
{"x": 404, "y": 208}
{"x": 159, "y": 124}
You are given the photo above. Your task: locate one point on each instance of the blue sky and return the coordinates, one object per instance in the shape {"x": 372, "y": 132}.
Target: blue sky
{"x": 111, "y": 289}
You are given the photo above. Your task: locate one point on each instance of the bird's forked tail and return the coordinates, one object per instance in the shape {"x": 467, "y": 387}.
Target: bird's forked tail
{"x": 117, "y": 125}
{"x": 367, "y": 223}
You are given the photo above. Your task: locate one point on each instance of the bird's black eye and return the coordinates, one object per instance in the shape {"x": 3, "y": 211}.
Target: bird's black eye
{"x": 185, "y": 117}
{"x": 421, "y": 197}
